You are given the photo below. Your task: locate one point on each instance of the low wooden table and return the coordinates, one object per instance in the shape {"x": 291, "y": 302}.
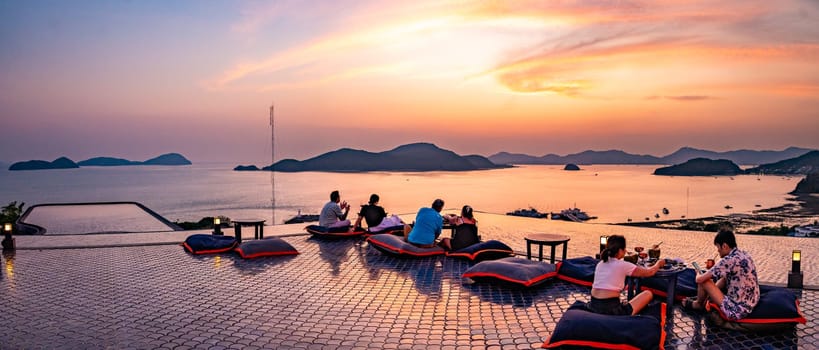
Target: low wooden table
{"x": 541, "y": 239}
{"x": 258, "y": 228}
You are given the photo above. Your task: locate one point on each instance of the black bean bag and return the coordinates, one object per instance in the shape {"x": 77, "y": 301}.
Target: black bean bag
{"x": 394, "y": 230}
{"x": 582, "y": 328}
{"x": 395, "y": 245}
{"x": 208, "y": 244}
{"x": 333, "y": 232}
{"x": 519, "y": 271}
{"x": 777, "y": 310}
{"x": 578, "y": 270}
{"x": 488, "y": 250}
{"x": 686, "y": 285}
{"x": 272, "y": 246}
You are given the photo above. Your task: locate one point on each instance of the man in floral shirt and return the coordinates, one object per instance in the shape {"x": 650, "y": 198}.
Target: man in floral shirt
{"x": 735, "y": 274}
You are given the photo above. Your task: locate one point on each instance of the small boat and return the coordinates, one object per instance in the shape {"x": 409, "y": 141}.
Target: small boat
{"x": 529, "y": 213}
{"x": 302, "y": 218}
{"x": 572, "y": 214}
{"x": 656, "y": 216}
{"x": 665, "y": 211}
{"x": 729, "y": 207}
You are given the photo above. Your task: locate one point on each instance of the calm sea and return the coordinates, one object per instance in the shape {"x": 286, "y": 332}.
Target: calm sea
{"x": 613, "y": 193}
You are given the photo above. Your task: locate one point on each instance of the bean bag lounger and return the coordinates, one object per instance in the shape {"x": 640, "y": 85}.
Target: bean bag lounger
{"x": 777, "y": 310}
{"x": 395, "y": 245}
{"x": 258, "y": 248}
{"x": 333, "y": 232}
{"x": 393, "y": 230}
{"x": 208, "y": 244}
{"x": 686, "y": 285}
{"x": 488, "y": 250}
{"x": 578, "y": 270}
{"x": 581, "y": 328}
{"x": 513, "y": 270}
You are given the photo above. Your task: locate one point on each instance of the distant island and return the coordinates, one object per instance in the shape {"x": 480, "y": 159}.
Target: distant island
{"x": 59, "y": 163}
{"x": 801, "y": 165}
{"x": 701, "y": 167}
{"x": 680, "y": 156}
{"x": 410, "y": 157}
{"x": 66, "y": 163}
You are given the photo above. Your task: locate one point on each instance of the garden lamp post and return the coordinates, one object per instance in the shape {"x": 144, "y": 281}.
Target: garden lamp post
{"x": 8, "y": 240}
{"x": 795, "y": 275}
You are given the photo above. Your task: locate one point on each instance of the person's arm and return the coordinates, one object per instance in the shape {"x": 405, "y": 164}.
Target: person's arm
{"x": 702, "y": 277}
{"x": 358, "y": 221}
{"x": 648, "y": 272}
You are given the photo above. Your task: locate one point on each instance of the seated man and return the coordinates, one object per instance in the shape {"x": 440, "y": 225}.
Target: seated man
{"x": 428, "y": 226}
{"x": 331, "y": 214}
{"x": 735, "y": 274}
{"x": 371, "y": 212}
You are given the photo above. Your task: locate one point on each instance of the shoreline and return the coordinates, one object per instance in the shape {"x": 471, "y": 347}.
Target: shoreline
{"x": 803, "y": 210}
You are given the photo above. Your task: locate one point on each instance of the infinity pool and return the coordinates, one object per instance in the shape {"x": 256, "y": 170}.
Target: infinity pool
{"x": 63, "y": 219}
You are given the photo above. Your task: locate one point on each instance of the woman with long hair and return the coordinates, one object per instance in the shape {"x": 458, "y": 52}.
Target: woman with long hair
{"x": 609, "y": 280}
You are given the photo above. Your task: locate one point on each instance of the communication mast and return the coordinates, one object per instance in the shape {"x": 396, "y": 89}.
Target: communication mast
{"x": 272, "y": 161}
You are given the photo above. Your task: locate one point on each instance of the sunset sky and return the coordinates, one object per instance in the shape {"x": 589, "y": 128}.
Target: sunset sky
{"x": 135, "y": 79}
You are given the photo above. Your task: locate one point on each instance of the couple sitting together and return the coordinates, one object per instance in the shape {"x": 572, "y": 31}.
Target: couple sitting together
{"x": 334, "y": 214}
{"x": 732, "y": 283}
{"x": 429, "y": 223}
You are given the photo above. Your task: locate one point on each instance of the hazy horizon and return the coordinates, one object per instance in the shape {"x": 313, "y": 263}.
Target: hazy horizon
{"x": 138, "y": 79}
{"x": 267, "y": 161}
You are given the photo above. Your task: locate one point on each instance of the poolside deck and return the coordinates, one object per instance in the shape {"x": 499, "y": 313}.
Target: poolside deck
{"x": 335, "y": 294}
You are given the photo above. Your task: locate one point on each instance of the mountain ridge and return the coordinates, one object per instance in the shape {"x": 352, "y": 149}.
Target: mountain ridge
{"x": 420, "y": 156}
{"x": 742, "y": 156}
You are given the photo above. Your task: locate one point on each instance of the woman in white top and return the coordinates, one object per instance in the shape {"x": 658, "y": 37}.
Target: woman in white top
{"x": 610, "y": 277}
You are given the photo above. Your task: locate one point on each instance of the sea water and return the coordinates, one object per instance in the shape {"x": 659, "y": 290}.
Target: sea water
{"x": 612, "y": 193}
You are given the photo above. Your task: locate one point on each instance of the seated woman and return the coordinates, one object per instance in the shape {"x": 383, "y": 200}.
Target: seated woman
{"x": 465, "y": 233}
{"x": 609, "y": 280}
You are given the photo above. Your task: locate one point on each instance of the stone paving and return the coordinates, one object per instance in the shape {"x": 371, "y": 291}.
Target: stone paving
{"x": 335, "y": 294}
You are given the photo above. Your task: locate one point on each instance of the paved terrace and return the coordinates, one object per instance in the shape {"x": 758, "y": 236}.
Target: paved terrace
{"x": 117, "y": 291}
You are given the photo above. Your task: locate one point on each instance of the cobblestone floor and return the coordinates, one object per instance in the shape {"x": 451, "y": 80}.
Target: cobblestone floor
{"x": 335, "y": 294}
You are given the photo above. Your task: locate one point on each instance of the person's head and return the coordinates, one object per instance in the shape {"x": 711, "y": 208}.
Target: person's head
{"x": 725, "y": 241}
{"x": 374, "y": 199}
{"x": 466, "y": 212}
{"x": 335, "y": 197}
{"x": 438, "y": 205}
{"x": 614, "y": 245}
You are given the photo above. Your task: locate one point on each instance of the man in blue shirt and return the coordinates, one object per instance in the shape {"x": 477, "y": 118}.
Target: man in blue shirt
{"x": 428, "y": 225}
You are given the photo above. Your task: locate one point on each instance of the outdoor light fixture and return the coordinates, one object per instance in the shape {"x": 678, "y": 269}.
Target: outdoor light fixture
{"x": 8, "y": 241}
{"x": 795, "y": 276}
{"x": 603, "y": 241}
{"x": 217, "y": 226}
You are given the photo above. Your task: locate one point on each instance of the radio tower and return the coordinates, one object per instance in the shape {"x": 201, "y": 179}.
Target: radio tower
{"x": 272, "y": 161}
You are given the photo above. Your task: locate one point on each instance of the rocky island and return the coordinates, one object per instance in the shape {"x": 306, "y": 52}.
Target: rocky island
{"x": 571, "y": 167}
{"x": 66, "y": 163}
{"x": 701, "y": 167}
{"x": 59, "y": 163}
{"x": 411, "y": 157}
{"x": 165, "y": 159}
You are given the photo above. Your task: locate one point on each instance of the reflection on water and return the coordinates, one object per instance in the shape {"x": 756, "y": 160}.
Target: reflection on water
{"x": 613, "y": 193}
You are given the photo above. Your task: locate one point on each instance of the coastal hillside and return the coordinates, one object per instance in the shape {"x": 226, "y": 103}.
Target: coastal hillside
{"x": 585, "y": 157}
{"x": 701, "y": 167}
{"x": 59, "y": 163}
{"x": 808, "y": 185}
{"x": 682, "y": 155}
{"x": 165, "y": 159}
{"x": 411, "y": 157}
{"x": 804, "y": 164}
